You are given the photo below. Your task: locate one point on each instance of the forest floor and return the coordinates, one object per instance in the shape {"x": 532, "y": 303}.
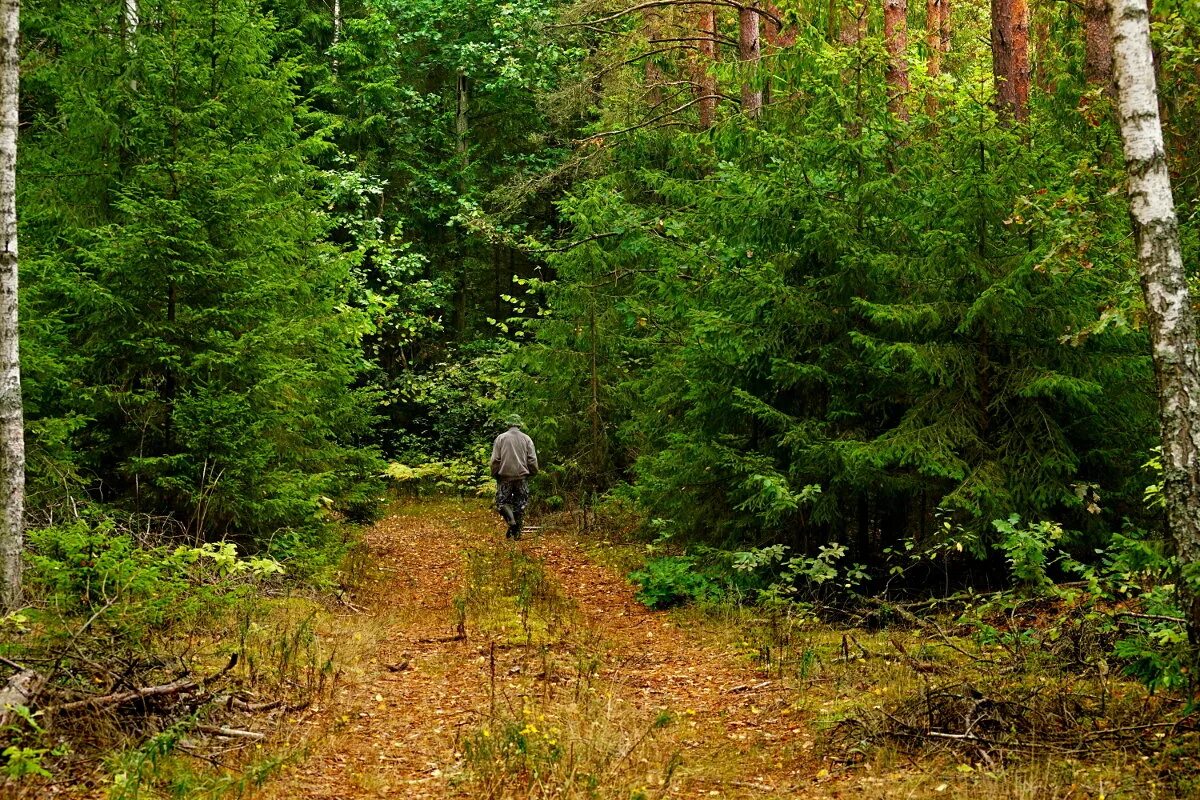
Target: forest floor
{"x": 484, "y": 666}
{"x": 481, "y": 668}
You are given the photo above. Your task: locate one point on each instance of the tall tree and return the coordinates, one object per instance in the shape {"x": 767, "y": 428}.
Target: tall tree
{"x": 12, "y": 433}
{"x": 895, "y": 32}
{"x": 1164, "y": 282}
{"x": 933, "y": 37}
{"x": 1010, "y": 57}
{"x": 854, "y": 25}
{"x": 750, "y": 52}
{"x": 1097, "y": 44}
{"x": 944, "y": 25}
{"x": 706, "y": 82}
{"x": 933, "y": 47}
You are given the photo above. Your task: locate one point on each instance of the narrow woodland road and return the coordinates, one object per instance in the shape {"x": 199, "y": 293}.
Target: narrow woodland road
{"x": 563, "y": 685}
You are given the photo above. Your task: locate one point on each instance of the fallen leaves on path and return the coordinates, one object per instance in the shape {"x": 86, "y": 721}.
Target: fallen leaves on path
{"x": 417, "y": 690}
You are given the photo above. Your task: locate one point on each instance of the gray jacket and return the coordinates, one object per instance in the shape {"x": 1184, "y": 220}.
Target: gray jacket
{"x": 513, "y": 456}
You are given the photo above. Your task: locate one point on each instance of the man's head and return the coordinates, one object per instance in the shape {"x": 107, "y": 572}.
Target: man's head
{"x": 514, "y": 421}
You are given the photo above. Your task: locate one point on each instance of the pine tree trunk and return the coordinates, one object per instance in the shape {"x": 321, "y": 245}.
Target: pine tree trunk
{"x": 933, "y": 48}
{"x": 895, "y": 33}
{"x": 462, "y": 100}
{"x": 750, "y": 52}
{"x": 854, "y": 26}
{"x": 12, "y": 427}
{"x": 706, "y": 82}
{"x": 1164, "y": 285}
{"x": 652, "y": 25}
{"x": 1010, "y": 57}
{"x": 945, "y": 26}
{"x": 933, "y": 37}
{"x": 1097, "y": 45}
{"x": 775, "y": 34}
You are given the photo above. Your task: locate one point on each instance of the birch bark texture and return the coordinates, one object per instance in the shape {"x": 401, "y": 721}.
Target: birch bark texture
{"x": 12, "y": 427}
{"x": 1173, "y": 331}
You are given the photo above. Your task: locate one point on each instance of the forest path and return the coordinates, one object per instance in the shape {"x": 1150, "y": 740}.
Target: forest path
{"x": 564, "y": 685}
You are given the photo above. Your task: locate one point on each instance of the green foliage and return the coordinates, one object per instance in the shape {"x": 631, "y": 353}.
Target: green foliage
{"x": 827, "y": 327}
{"x": 1028, "y": 549}
{"x": 196, "y": 351}
{"x": 670, "y": 581}
{"x": 91, "y": 566}
{"x": 443, "y": 476}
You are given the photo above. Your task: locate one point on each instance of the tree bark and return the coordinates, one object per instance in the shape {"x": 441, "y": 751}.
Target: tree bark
{"x": 652, "y": 25}
{"x": 12, "y": 425}
{"x": 933, "y": 48}
{"x": 131, "y": 19}
{"x": 750, "y": 52}
{"x": 945, "y": 26}
{"x": 462, "y": 101}
{"x": 337, "y": 31}
{"x": 1097, "y": 45}
{"x": 776, "y": 34}
{"x": 933, "y": 37}
{"x": 895, "y": 33}
{"x": 706, "y": 82}
{"x": 854, "y": 26}
{"x": 1010, "y": 57}
{"x": 1173, "y": 331}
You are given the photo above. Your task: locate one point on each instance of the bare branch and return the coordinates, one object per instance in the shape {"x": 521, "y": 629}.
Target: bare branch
{"x": 660, "y": 3}
{"x": 653, "y": 120}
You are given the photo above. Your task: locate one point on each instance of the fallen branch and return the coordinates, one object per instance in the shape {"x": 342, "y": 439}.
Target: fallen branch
{"x": 1155, "y": 617}
{"x": 237, "y": 733}
{"x": 178, "y": 686}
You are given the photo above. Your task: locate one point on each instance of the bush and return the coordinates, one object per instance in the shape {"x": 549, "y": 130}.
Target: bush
{"x": 672, "y": 581}
{"x": 92, "y": 566}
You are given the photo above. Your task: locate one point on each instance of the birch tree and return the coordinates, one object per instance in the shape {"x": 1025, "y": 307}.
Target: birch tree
{"x": 12, "y": 442}
{"x": 1164, "y": 285}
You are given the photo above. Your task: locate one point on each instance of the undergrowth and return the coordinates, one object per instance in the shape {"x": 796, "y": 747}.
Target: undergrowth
{"x": 161, "y": 667}
{"x": 554, "y": 727}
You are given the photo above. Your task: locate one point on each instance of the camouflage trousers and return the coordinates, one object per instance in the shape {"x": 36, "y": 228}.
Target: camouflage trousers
{"x": 515, "y": 495}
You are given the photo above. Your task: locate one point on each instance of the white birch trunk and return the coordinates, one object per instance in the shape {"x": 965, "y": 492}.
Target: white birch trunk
{"x": 1164, "y": 283}
{"x": 337, "y": 30}
{"x": 12, "y": 433}
{"x": 132, "y": 20}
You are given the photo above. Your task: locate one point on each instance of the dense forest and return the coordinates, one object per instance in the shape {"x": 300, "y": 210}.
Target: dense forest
{"x": 832, "y": 308}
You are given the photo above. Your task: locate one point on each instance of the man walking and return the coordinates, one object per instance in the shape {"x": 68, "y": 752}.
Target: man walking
{"x": 513, "y": 460}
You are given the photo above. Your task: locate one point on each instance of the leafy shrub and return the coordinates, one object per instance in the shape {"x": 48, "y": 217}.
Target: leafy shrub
{"x": 461, "y": 476}
{"x": 92, "y": 566}
{"x": 786, "y": 577}
{"x": 674, "y": 580}
{"x": 1028, "y": 548}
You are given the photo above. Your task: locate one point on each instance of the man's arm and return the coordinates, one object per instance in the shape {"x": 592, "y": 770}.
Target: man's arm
{"x": 495, "y": 462}
{"x": 531, "y": 462}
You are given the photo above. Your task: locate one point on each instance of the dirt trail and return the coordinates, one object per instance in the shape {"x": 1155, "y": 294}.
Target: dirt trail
{"x": 396, "y": 725}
